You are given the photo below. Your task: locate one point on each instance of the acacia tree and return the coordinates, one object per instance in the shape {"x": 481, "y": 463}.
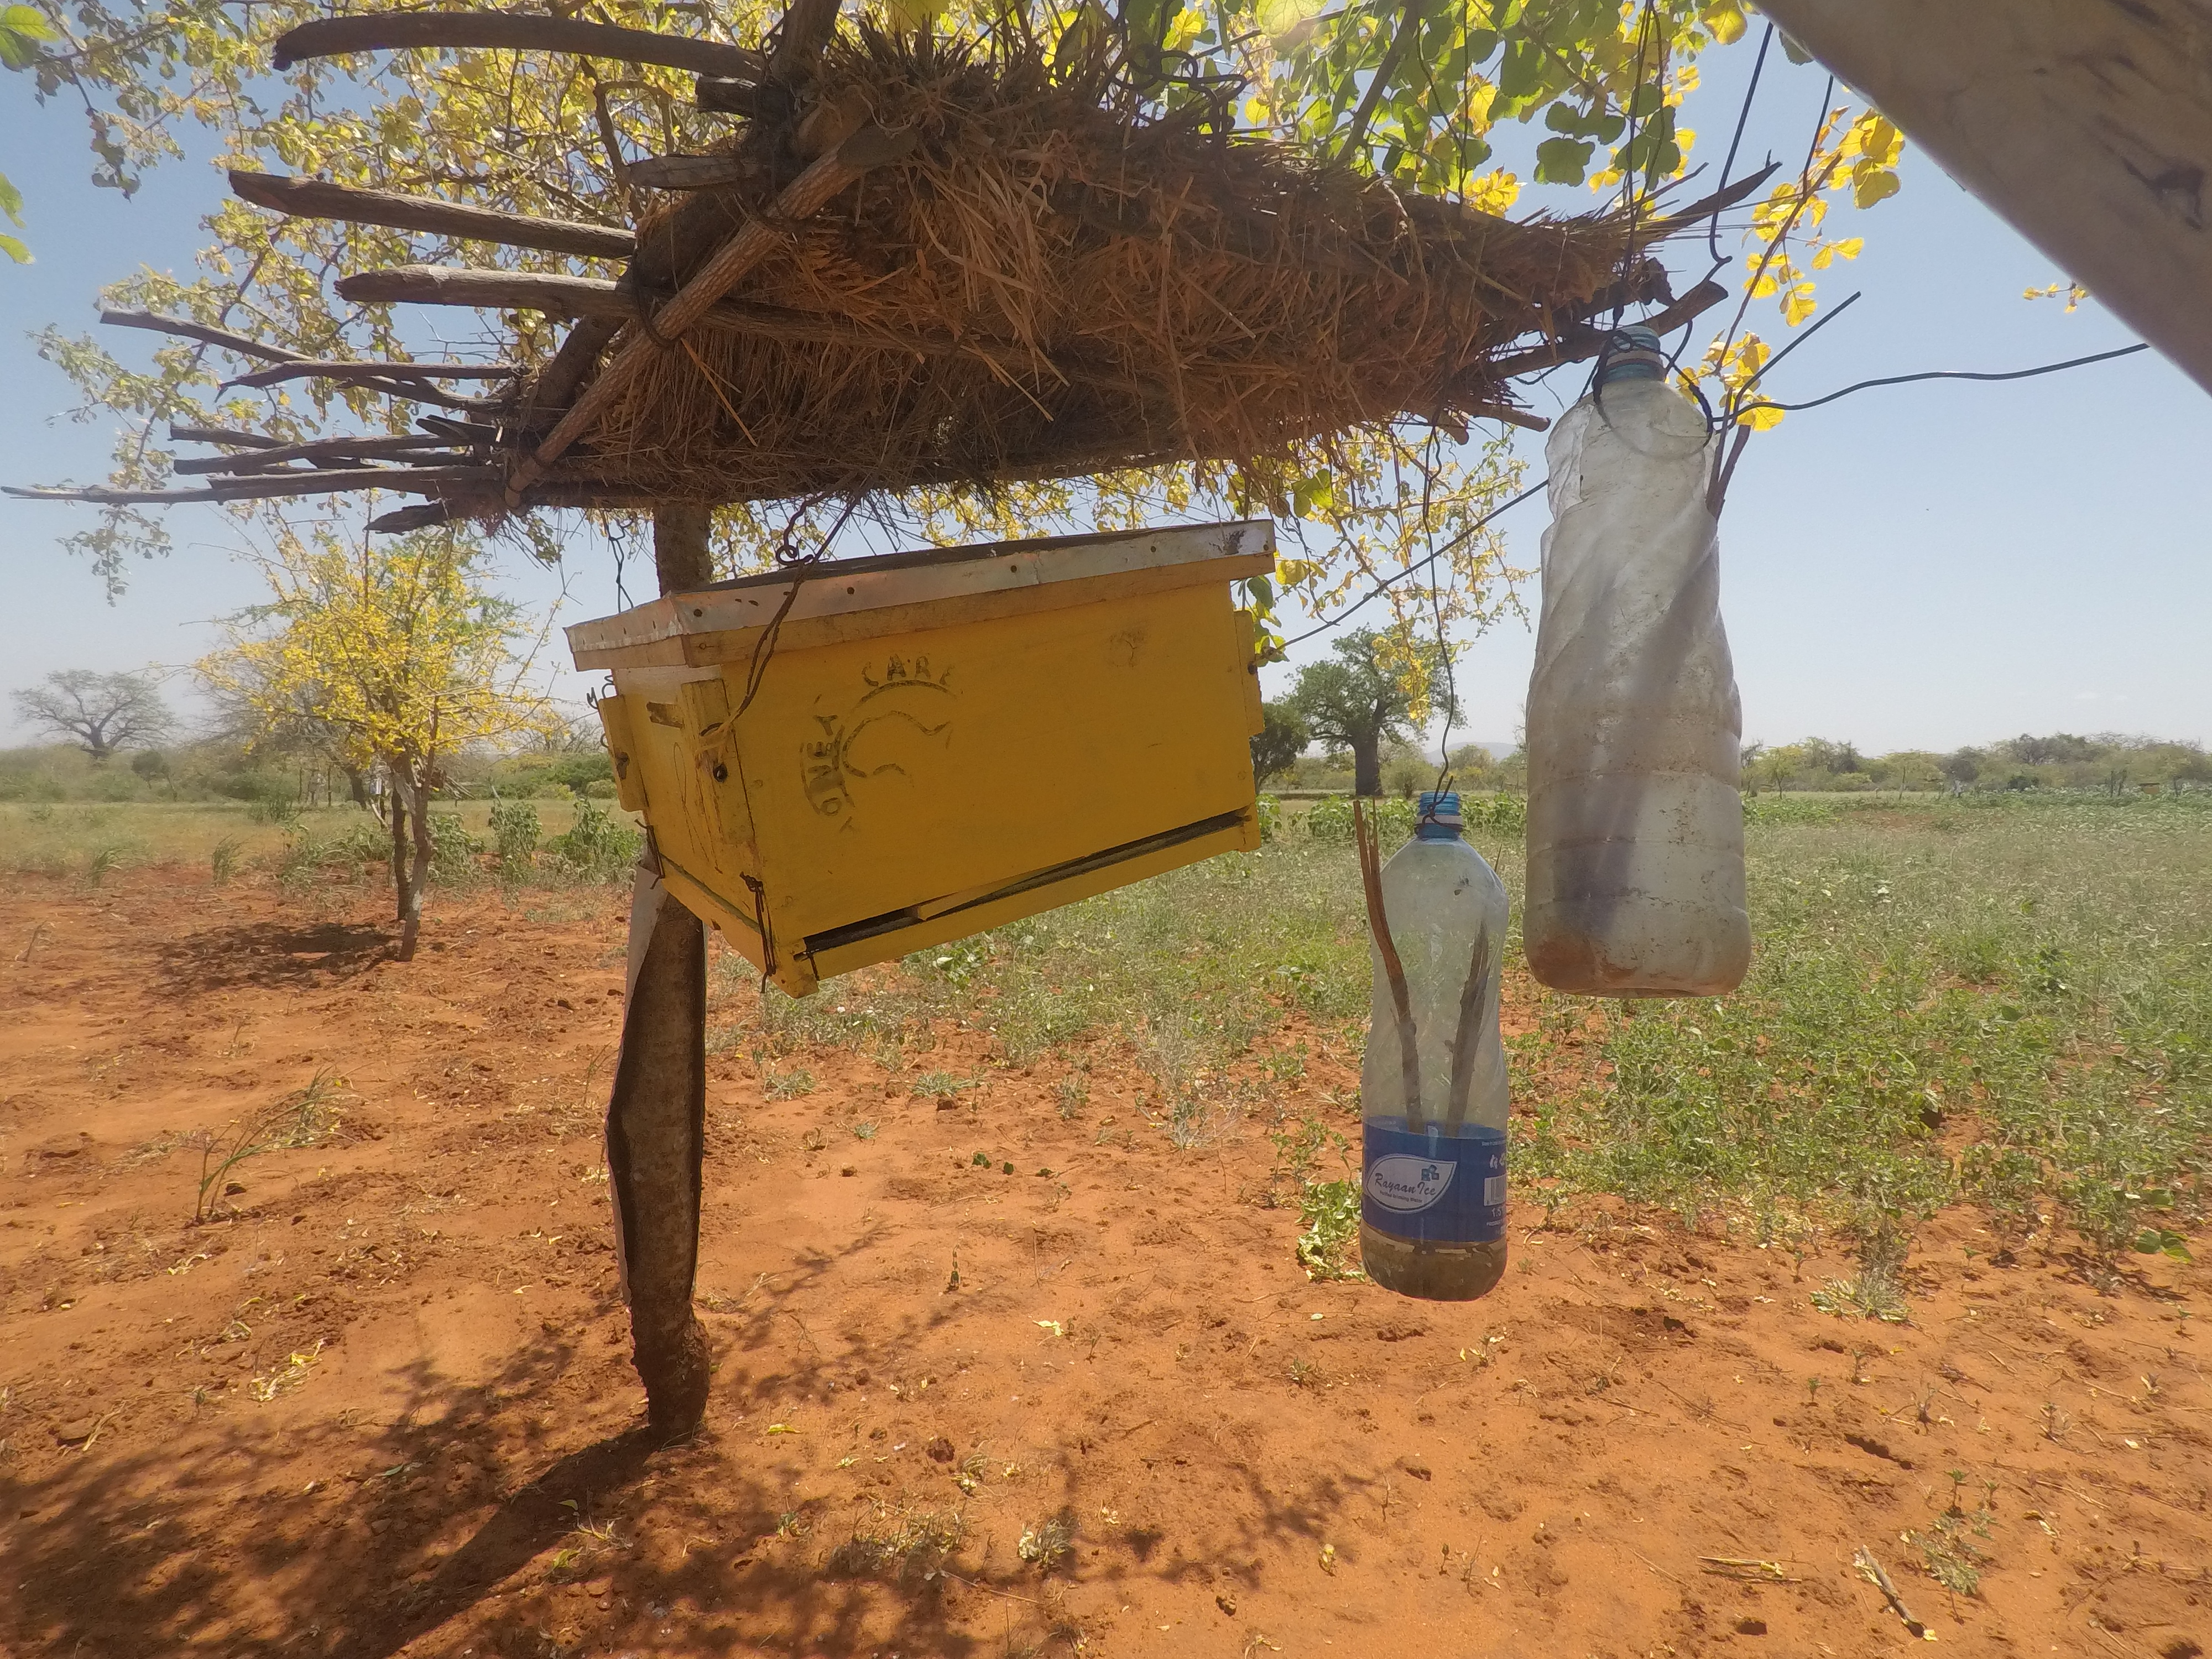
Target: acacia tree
{"x": 102, "y": 713}
{"x": 398, "y": 653}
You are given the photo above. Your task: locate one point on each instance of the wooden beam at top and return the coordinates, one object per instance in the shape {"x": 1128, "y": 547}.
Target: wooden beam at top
{"x": 406, "y": 481}
{"x": 511, "y": 32}
{"x": 314, "y": 198}
{"x": 374, "y": 370}
{"x": 2087, "y": 127}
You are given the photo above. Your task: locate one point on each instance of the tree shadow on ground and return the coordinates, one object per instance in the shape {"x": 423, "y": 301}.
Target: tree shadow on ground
{"x": 465, "y": 1514}
{"x": 269, "y": 955}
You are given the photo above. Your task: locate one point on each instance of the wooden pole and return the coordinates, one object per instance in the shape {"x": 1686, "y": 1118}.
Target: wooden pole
{"x": 313, "y": 199}
{"x": 656, "y": 1114}
{"x": 502, "y": 31}
{"x": 2086, "y": 127}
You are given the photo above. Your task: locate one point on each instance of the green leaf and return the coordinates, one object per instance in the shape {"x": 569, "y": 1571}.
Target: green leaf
{"x": 1281, "y": 16}
{"x": 21, "y": 27}
{"x": 2162, "y": 1240}
{"x": 1792, "y": 50}
{"x": 11, "y": 200}
{"x": 14, "y": 248}
{"x": 1563, "y": 160}
{"x": 1523, "y": 71}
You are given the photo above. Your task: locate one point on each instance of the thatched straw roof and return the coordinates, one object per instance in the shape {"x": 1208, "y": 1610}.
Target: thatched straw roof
{"x": 1040, "y": 289}
{"x": 922, "y": 265}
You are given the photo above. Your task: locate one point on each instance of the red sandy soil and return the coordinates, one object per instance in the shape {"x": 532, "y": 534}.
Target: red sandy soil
{"x": 1594, "y": 1460}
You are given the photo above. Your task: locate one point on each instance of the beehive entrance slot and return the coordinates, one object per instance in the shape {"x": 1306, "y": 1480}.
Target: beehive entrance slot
{"x": 891, "y": 921}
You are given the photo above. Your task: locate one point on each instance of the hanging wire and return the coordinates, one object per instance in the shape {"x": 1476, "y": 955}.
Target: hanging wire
{"x": 1389, "y": 581}
{"x": 764, "y": 647}
{"x": 1955, "y": 374}
{"x": 1742, "y": 116}
{"x": 620, "y": 546}
{"x": 1773, "y": 362}
{"x": 1807, "y": 187}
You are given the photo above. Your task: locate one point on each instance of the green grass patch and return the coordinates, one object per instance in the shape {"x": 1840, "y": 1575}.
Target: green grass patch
{"x": 2005, "y": 1000}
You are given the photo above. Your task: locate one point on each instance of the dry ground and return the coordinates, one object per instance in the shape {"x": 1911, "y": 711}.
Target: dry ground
{"x": 383, "y": 1405}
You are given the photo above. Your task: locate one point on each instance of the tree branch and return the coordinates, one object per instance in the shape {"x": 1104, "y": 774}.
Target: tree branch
{"x": 872, "y": 146}
{"x": 413, "y": 481}
{"x": 206, "y": 335}
{"x": 312, "y": 369}
{"x": 513, "y": 32}
{"x": 314, "y": 198}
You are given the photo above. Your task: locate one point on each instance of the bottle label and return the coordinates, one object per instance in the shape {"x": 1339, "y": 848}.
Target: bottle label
{"x": 1437, "y": 1187}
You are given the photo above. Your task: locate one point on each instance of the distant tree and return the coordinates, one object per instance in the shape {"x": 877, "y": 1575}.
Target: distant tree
{"x": 1834, "y": 758}
{"x": 1474, "y": 767}
{"x": 1746, "y": 759}
{"x": 1282, "y": 739}
{"x": 1406, "y": 771}
{"x": 1909, "y": 769}
{"x": 2059, "y": 748}
{"x": 1775, "y": 767}
{"x": 1962, "y": 766}
{"x": 2190, "y": 763}
{"x": 102, "y": 712}
{"x": 1373, "y": 691}
{"x": 398, "y": 656}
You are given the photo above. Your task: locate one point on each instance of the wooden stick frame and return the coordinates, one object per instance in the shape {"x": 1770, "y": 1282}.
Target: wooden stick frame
{"x": 565, "y": 399}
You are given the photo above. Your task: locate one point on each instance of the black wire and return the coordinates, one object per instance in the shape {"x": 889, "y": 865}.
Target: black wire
{"x": 1808, "y": 189}
{"x": 1743, "y": 116}
{"x": 1955, "y": 375}
{"x": 1387, "y": 581}
{"x": 1773, "y": 362}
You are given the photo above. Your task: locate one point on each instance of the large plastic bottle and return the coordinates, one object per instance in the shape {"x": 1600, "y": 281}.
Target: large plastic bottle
{"x": 1634, "y": 727}
{"x": 1433, "y": 1191}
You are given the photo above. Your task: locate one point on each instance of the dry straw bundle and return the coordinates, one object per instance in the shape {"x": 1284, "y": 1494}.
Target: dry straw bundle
{"x": 925, "y": 263}
{"x": 1041, "y": 288}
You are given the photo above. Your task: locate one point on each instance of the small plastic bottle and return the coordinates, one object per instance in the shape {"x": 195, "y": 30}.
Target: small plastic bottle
{"x": 1432, "y": 1190}
{"x": 1636, "y": 884}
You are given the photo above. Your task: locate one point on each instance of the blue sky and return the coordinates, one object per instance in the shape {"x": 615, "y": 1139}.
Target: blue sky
{"x": 1918, "y": 567}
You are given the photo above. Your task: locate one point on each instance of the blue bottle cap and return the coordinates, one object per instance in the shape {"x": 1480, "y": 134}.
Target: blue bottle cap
{"x": 1632, "y": 354}
{"x": 1437, "y": 816}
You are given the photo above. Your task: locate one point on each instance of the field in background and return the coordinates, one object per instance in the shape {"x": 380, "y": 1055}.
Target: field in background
{"x": 93, "y": 840}
{"x": 1024, "y": 1272}
{"x": 2003, "y": 999}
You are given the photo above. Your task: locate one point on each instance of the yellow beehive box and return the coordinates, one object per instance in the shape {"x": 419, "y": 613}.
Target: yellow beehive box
{"x": 937, "y": 742}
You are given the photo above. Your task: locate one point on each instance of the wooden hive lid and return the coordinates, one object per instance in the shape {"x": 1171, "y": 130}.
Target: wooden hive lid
{"x": 901, "y": 592}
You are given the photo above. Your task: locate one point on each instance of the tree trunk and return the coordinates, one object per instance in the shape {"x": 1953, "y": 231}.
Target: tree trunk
{"x": 411, "y": 823}
{"x": 681, "y": 556}
{"x": 1367, "y": 767}
{"x": 656, "y": 1117}
{"x": 359, "y": 785}
{"x": 656, "y": 1132}
{"x": 410, "y": 907}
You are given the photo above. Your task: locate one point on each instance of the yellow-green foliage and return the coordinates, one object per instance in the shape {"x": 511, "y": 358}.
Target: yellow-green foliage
{"x": 389, "y": 653}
